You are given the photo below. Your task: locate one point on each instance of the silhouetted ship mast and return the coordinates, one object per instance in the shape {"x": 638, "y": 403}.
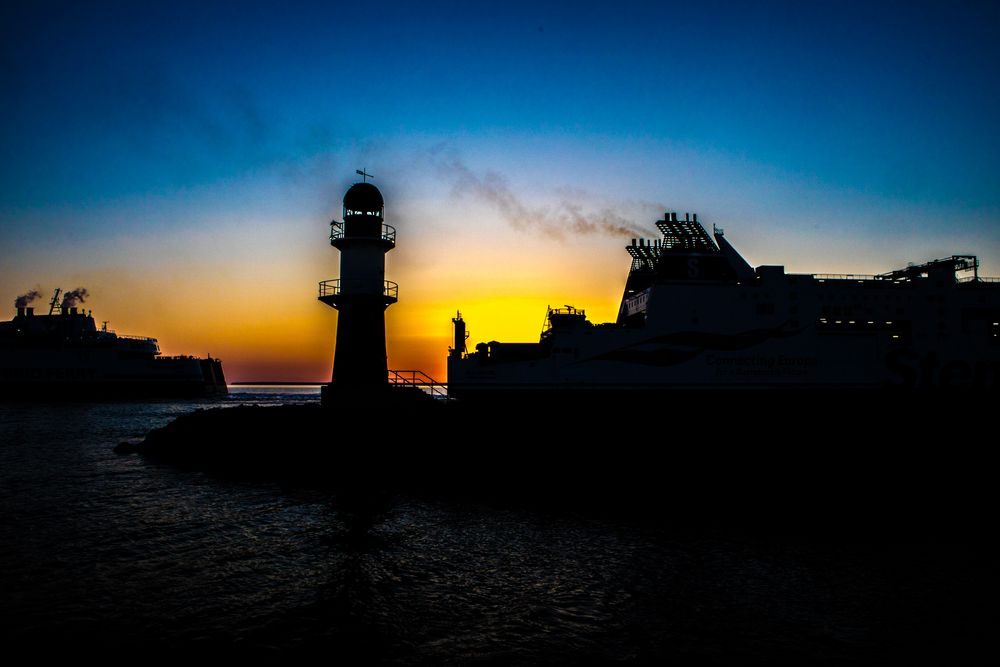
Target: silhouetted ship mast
{"x": 695, "y": 315}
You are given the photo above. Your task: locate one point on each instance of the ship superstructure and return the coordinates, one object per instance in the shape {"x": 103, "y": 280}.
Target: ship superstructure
{"x": 65, "y": 354}
{"x": 696, "y": 315}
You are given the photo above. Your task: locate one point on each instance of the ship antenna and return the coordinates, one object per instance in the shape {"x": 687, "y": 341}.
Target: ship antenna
{"x": 363, "y": 174}
{"x": 55, "y": 302}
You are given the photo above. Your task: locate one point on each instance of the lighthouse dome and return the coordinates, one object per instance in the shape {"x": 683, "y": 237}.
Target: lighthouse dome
{"x": 363, "y": 199}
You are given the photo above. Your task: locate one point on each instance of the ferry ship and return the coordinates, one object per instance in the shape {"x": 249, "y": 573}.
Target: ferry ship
{"x": 65, "y": 355}
{"x": 695, "y": 315}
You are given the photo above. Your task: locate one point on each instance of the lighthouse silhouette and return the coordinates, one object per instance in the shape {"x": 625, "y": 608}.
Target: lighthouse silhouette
{"x": 360, "y": 295}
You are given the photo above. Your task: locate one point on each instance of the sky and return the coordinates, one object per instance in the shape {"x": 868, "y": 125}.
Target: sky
{"x": 182, "y": 161}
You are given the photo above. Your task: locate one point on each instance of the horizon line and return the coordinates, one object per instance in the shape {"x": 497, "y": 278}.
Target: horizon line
{"x": 276, "y": 382}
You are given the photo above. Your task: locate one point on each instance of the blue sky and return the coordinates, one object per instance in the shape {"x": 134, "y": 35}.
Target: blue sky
{"x": 823, "y": 136}
{"x": 104, "y": 100}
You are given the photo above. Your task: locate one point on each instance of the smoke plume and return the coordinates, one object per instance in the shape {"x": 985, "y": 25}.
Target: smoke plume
{"x": 567, "y": 217}
{"x": 26, "y": 298}
{"x": 73, "y": 297}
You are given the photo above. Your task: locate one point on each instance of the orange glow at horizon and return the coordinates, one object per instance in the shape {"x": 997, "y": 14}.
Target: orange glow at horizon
{"x": 243, "y": 287}
{"x": 260, "y": 316}
{"x": 257, "y": 309}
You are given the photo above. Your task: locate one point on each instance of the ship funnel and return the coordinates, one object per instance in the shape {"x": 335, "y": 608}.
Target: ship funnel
{"x": 20, "y": 311}
{"x": 460, "y": 336}
{"x": 29, "y": 311}
{"x": 73, "y": 311}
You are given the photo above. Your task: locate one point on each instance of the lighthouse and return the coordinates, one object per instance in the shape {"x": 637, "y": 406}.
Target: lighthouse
{"x": 361, "y": 293}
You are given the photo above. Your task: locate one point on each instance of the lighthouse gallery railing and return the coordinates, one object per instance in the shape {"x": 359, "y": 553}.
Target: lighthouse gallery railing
{"x": 337, "y": 232}
{"x": 336, "y": 286}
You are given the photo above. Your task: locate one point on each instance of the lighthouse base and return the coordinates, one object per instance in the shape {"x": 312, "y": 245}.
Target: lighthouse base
{"x": 341, "y": 397}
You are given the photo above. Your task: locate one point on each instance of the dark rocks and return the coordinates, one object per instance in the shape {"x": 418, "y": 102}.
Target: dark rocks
{"x": 793, "y": 466}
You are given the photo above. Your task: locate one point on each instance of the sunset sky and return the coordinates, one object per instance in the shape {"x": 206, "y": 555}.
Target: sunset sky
{"x": 183, "y": 163}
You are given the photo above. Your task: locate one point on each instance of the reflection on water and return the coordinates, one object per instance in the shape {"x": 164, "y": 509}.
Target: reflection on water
{"x": 111, "y": 550}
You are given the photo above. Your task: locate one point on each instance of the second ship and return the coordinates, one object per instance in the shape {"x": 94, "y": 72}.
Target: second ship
{"x": 695, "y": 315}
{"x": 63, "y": 354}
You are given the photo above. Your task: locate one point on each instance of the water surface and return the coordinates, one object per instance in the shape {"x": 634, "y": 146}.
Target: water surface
{"x": 101, "y": 550}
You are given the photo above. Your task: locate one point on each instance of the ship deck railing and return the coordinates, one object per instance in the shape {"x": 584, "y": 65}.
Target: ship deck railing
{"x": 419, "y": 380}
{"x": 859, "y": 277}
{"x": 145, "y": 339}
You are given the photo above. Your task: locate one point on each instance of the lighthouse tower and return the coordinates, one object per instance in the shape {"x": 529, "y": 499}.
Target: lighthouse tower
{"x": 361, "y": 294}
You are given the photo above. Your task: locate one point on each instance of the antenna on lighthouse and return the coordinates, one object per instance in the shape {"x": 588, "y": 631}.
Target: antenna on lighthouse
{"x": 363, "y": 174}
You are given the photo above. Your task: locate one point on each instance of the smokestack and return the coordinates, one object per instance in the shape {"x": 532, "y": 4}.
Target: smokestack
{"x": 20, "y": 311}
{"x": 30, "y": 312}
{"x": 72, "y": 311}
{"x": 696, "y": 217}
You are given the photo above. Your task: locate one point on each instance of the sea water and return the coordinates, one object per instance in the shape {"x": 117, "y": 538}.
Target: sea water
{"x": 107, "y": 551}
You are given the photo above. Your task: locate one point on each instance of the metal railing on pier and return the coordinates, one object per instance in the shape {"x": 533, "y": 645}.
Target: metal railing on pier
{"x": 421, "y": 381}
